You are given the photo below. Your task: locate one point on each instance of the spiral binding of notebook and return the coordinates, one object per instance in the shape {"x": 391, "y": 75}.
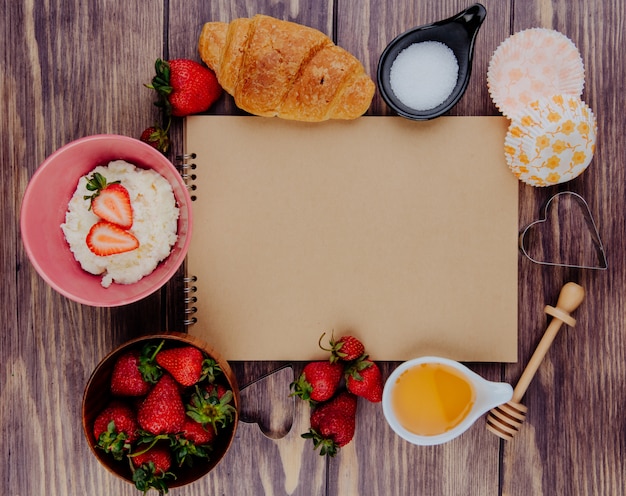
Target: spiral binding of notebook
{"x": 186, "y": 166}
{"x": 189, "y": 300}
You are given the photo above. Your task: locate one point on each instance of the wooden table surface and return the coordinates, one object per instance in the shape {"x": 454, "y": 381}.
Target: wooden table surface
{"x": 74, "y": 68}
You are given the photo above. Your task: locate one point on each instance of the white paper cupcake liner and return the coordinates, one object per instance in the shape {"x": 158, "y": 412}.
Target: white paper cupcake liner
{"x": 531, "y": 64}
{"x": 552, "y": 141}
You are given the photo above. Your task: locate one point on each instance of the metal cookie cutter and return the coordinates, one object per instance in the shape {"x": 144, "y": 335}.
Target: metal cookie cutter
{"x": 567, "y": 242}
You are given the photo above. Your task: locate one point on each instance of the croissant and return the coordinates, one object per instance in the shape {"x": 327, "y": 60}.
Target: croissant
{"x": 279, "y": 68}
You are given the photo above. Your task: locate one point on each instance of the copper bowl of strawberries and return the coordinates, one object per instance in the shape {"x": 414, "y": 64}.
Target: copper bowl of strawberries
{"x": 161, "y": 411}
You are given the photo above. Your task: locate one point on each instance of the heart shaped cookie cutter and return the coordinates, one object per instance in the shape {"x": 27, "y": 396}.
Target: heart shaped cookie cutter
{"x": 591, "y": 229}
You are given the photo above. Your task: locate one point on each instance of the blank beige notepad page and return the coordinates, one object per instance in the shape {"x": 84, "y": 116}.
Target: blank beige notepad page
{"x": 402, "y": 233}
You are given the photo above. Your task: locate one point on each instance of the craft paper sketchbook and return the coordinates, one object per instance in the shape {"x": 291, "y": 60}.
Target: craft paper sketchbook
{"x": 402, "y": 233}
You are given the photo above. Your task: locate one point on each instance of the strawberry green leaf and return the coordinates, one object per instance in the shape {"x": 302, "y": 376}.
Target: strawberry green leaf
{"x": 325, "y": 445}
{"x": 185, "y": 451}
{"x": 96, "y": 183}
{"x": 113, "y": 442}
{"x": 150, "y": 370}
{"x": 146, "y": 478}
{"x": 211, "y": 370}
{"x": 161, "y": 84}
{"x": 208, "y": 409}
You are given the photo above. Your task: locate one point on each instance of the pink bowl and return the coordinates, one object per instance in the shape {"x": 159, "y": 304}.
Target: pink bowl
{"x": 46, "y": 201}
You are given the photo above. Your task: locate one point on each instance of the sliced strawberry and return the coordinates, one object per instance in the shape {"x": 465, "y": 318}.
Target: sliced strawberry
{"x": 113, "y": 205}
{"x": 106, "y": 239}
{"x": 110, "y": 201}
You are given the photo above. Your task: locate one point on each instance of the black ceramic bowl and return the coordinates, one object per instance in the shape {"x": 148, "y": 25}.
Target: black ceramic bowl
{"x": 458, "y": 33}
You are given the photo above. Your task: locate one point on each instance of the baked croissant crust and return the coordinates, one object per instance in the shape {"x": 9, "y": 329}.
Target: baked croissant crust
{"x": 279, "y": 68}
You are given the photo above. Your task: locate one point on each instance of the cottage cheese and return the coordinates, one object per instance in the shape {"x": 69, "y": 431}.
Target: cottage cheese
{"x": 155, "y": 217}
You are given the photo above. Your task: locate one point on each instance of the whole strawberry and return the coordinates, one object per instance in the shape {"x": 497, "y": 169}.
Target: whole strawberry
{"x": 365, "y": 379}
{"x": 159, "y": 455}
{"x": 333, "y": 424}
{"x": 196, "y": 433}
{"x": 156, "y": 137}
{"x": 115, "y": 429}
{"x": 344, "y": 402}
{"x": 193, "y": 441}
{"x": 346, "y": 348}
{"x": 151, "y": 469}
{"x": 135, "y": 371}
{"x": 184, "y": 87}
{"x": 162, "y": 412}
{"x": 183, "y": 363}
{"x": 318, "y": 382}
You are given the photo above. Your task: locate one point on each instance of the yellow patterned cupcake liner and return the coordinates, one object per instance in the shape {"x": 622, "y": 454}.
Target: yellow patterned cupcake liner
{"x": 531, "y": 64}
{"x": 551, "y": 141}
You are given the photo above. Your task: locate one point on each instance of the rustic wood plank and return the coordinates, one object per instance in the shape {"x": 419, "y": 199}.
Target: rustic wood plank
{"x": 12, "y": 178}
{"x": 71, "y": 71}
{"x": 570, "y": 443}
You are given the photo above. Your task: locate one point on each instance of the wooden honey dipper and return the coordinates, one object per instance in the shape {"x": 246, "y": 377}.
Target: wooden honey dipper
{"x": 505, "y": 420}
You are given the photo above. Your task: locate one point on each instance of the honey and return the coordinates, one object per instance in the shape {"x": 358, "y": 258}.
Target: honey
{"x": 431, "y": 398}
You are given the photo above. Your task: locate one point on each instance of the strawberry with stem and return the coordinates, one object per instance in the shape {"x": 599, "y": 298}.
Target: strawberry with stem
{"x": 333, "y": 424}
{"x": 346, "y": 348}
{"x": 115, "y": 429}
{"x": 318, "y": 381}
{"x": 135, "y": 371}
{"x": 110, "y": 201}
{"x": 211, "y": 406}
{"x": 150, "y": 469}
{"x": 194, "y": 441}
{"x": 157, "y": 136}
{"x": 364, "y": 379}
{"x": 184, "y": 87}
